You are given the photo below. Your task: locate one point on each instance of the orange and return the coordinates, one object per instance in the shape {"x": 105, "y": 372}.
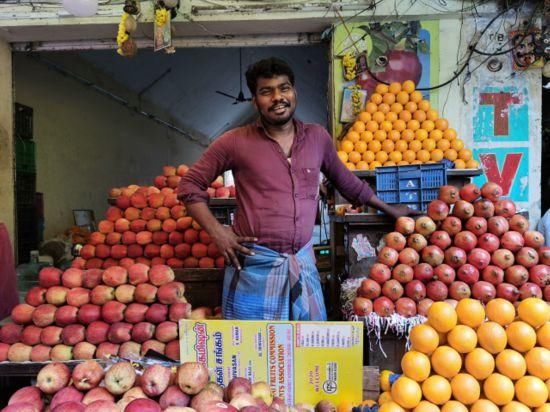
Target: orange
{"x": 511, "y": 364}
{"x": 364, "y": 117}
{"x": 381, "y": 156}
{"x": 415, "y": 365}
{"x": 413, "y": 125}
{"x": 347, "y": 146}
{"x": 402, "y": 163}
{"x": 353, "y": 136}
{"x": 538, "y": 362}
{"x": 374, "y": 146}
{"x": 499, "y": 389}
{"x": 515, "y": 406}
{"x": 391, "y": 406}
{"x": 419, "y": 115}
{"x": 374, "y": 164}
{"x": 449, "y": 134}
{"x": 359, "y": 126}
{"x": 409, "y": 155}
{"x": 415, "y": 145}
{"x": 543, "y": 408}
{"x": 396, "y": 108}
{"x": 371, "y": 107}
{"x": 420, "y": 134}
{"x": 432, "y": 115}
{"x": 401, "y": 146}
{"x": 470, "y": 312}
{"x": 386, "y": 126}
{"x": 460, "y": 164}
{"x": 394, "y": 87}
{"x": 388, "y": 98}
{"x": 428, "y": 144}
{"x": 371, "y": 126}
{"x": 380, "y": 135}
{"x": 396, "y": 157}
{"x": 453, "y": 406}
{"x": 436, "y": 155}
{"x": 385, "y": 376}
{"x": 521, "y": 336}
{"x": 399, "y": 125}
{"x": 479, "y": 363}
{"x": 416, "y": 96}
{"x": 441, "y": 124}
{"x": 343, "y": 156}
{"x": 472, "y": 164}
{"x": 381, "y": 88}
{"x": 391, "y": 117}
{"x": 465, "y": 388}
{"x": 543, "y": 336}
{"x": 428, "y": 125}
{"x": 465, "y": 154}
{"x": 437, "y": 389}
{"x": 376, "y": 98}
{"x": 443, "y": 144}
{"x": 411, "y": 107}
{"x": 354, "y": 157}
{"x": 451, "y": 154}
{"x": 491, "y": 337}
{"x": 389, "y": 163}
{"x": 345, "y": 406}
{"x": 406, "y": 392}
{"x": 434, "y": 134}
{"x": 424, "y": 105}
{"x": 384, "y": 108}
{"x": 534, "y": 311}
{"x": 423, "y": 155}
{"x": 407, "y": 135}
{"x": 360, "y": 146}
{"x": 350, "y": 166}
{"x": 366, "y": 136}
{"x": 531, "y": 391}
{"x": 408, "y": 86}
{"x": 462, "y": 338}
{"x": 500, "y": 311}
{"x": 384, "y": 397}
{"x": 402, "y": 97}
{"x": 425, "y": 406}
{"x": 362, "y": 165}
{"x": 394, "y": 135}
{"x": 416, "y": 162}
{"x": 446, "y": 361}
{"x": 484, "y": 405}
{"x": 405, "y": 115}
{"x": 457, "y": 144}
{"x": 368, "y": 156}
{"x": 387, "y": 146}
{"x": 378, "y": 117}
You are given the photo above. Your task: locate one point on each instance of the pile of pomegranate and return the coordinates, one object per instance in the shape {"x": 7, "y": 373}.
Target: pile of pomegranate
{"x": 472, "y": 243}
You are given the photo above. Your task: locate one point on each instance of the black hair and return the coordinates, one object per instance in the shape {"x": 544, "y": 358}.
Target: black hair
{"x": 267, "y": 68}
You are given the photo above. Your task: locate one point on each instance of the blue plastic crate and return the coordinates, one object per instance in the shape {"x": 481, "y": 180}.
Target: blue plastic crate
{"x": 411, "y": 185}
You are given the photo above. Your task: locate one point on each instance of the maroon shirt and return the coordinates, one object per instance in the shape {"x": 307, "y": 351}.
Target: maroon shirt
{"x": 276, "y": 199}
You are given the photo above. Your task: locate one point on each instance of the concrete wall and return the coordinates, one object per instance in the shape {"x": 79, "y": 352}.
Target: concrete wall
{"x": 86, "y": 143}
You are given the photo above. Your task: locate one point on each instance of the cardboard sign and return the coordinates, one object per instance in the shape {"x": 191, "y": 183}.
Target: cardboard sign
{"x": 301, "y": 361}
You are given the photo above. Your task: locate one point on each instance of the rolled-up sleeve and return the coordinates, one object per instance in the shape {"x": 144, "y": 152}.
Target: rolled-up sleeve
{"x": 214, "y": 161}
{"x": 350, "y": 186}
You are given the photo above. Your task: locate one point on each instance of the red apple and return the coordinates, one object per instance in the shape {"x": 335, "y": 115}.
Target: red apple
{"x": 102, "y": 406}
{"x": 113, "y": 311}
{"x": 29, "y": 394}
{"x": 36, "y": 296}
{"x": 161, "y": 274}
{"x": 72, "y": 278}
{"x": 22, "y": 314}
{"x": 89, "y": 313}
{"x": 192, "y": 377}
{"x": 31, "y": 335}
{"x": 51, "y": 335}
{"x": 57, "y": 295}
{"x": 120, "y": 377}
{"x": 19, "y": 352}
{"x": 40, "y": 353}
{"x": 129, "y": 350}
{"x": 153, "y": 345}
{"x": 261, "y": 390}
{"x": 155, "y": 380}
{"x": 242, "y": 400}
{"x": 125, "y": 293}
{"x": 119, "y": 332}
{"x": 78, "y": 297}
{"x": 66, "y": 315}
{"x": 143, "y": 405}
{"x": 97, "y": 394}
{"x": 102, "y": 294}
{"x": 53, "y": 377}
{"x": 166, "y": 331}
{"x": 21, "y": 407}
{"x": 156, "y": 313}
{"x": 11, "y": 333}
{"x": 172, "y": 292}
{"x": 4, "y": 349}
{"x": 70, "y": 407}
{"x": 173, "y": 396}
{"x": 96, "y": 332}
{"x": 143, "y": 331}
{"x": 61, "y": 353}
{"x": 91, "y": 278}
{"x": 237, "y": 385}
{"x": 115, "y": 275}
{"x": 84, "y": 350}
{"x": 68, "y": 394}
{"x": 135, "y": 312}
{"x": 179, "y": 311}
{"x": 49, "y": 276}
{"x": 145, "y": 293}
{"x": 73, "y": 334}
{"x": 87, "y": 375}
{"x": 172, "y": 350}
{"x": 106, "y": 350}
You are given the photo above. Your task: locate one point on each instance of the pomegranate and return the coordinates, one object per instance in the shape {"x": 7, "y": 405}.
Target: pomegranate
{"x": 417, "y": 242}
{"x": 489, "y": 242}
{"x": 534, "y": 239}
{"x": 455, "y": 257}
{"x": 388, "y": 256}
{"x": 505, "y": 207}
{"x": 423, "y": 306}
{"x": 392, "y": 289}
{"x": 383, "y": 306}
{"x": 544, "y": 255}
{"x": 493, "y": 274}
{"x": 465, "y": 240}
{"x": 362, "y": 306}
{"x": 452, "y": 225}
{"x": 441, "y": 239}
{"x": 425, "y": 225}
{"x": 438, "y": 210}
{"x": 369, "y": 289}
{"x": 502, "y": 258}
{"x": 484, "y": 208}
{"x": 480, "y": 258}
{"x": 409, "y": 256}
{"x": 516, "y": 275}
{"x": 483, "y": 291}
{"x": 530, "y": 290}
{"x": 508, "y": 292}
{"x": 540, "y": 275}
{"x": 470, "y": 192}
{"x": 463, "y": 209}
{"x": 395, "y": 240}
{"x": 445, "y": 273}
{"x": 380, "y": 273}
{"x": 405, "y": 307}
{"x": 402, "y": 273}
{"x": 497, "y": 225}
{"x": 449, "y": 194}
{"x": 476, "y": 225}
{"x": 491, "y": 191}
{"x": 468, "y": 274}
{"x": 527, "y": 256}
{"x": 459, "y": 290}
{"x": 452, "y": 302}
{"x": 519, "y": 223}
{"x": 436, "y": 290}
{"x": 415, "y": 290}
{"x": 433, "y": 255}
{"x": 404, "y": 225}
{"x": 512, "y": 240}
{"x": 423, "y": 272}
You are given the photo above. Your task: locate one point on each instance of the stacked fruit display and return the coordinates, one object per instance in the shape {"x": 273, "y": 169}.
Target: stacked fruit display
{"x": 475, "y": 358}
{"x": 150, "y": 225}
{"x": 80, "y": 314}
{"x": 471, "y": 243}
{"x": 156, "y": 388}
{"x": 399, "y": 127}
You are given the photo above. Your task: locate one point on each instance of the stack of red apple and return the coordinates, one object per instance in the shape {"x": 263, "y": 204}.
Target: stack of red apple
{"x": 80, "y": 314}
{"x": 471, "y": 243}
{"x": 159, "y": 388}
{"x": 150, "y": 225}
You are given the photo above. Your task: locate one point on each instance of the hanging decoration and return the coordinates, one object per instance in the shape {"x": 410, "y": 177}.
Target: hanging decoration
{"x": 165, "y": 11}
{"x": 349, "y": 64}
{"x": 81, "y": 8}
{"x": 127, "y": 47}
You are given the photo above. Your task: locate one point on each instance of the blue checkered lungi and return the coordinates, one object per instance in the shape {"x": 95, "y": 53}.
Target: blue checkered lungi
{"x": 274, "y": 286}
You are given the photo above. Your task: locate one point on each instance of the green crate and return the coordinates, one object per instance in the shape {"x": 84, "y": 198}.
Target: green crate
{"x": 25, "y": 158}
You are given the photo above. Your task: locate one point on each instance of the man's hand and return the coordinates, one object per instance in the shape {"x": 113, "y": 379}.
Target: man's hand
{"x": 229, "y": 244}
{"x": 396, "y": 211}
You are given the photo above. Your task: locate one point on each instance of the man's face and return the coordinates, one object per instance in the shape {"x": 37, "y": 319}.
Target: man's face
{"x": 275, "y": 100}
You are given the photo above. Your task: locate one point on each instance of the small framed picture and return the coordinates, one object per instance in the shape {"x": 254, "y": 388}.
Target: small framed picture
{"x": 163, "y": 34}
{"x": 351, "y": 109}
{"x": 84, "y": 217}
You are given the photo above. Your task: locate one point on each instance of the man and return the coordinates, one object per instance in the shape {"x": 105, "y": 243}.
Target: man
{"x": 276, "y": 163}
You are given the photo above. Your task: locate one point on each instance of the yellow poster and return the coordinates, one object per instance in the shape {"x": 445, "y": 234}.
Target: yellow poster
{"x": 301, "y": 361}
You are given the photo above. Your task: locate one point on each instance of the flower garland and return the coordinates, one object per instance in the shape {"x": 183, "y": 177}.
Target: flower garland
{"x": 349, "y": 66}
{"x": 122, "y": 35}
{"x": 356, "y": 99}
{"x": 161, "y": 15}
